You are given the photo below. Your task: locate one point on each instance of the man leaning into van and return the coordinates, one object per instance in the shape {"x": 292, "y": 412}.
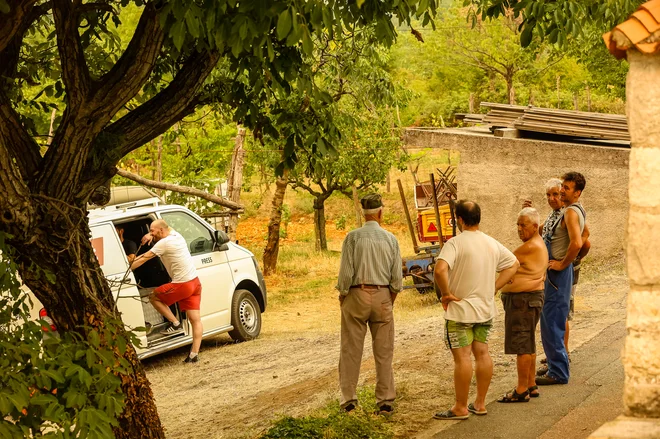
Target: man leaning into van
{"x": 185, "y": 287}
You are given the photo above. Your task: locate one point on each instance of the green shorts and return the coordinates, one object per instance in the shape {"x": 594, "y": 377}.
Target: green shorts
{"x": 460, "y": 335}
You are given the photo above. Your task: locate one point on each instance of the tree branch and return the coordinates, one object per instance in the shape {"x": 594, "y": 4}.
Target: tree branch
{"x": 16, "y": 140}
{"x": 126, "y": 78}
{"x": 13, "y": 22}
{"x": 75, "y": 73}
{"x": 182, "y": 189}
{"x": 155, "y": 116}
{"x": 11, "y": 37}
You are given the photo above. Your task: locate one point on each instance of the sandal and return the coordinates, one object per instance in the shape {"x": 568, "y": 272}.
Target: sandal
{"x": 448, "y": 415}
{"x": 534, "y": 389}
{"x": 473, "y": 410}
{"x": 515, "y": 396}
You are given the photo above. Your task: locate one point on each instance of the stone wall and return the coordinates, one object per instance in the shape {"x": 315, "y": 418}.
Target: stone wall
{"x": 499, "y": 173}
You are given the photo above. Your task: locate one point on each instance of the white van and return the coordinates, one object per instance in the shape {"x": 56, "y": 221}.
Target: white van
{"x": 233, "y": 288}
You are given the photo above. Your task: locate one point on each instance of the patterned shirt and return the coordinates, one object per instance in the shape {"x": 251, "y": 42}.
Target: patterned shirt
{"x": 370, "y": 255}
{"x": 549, "y": 224}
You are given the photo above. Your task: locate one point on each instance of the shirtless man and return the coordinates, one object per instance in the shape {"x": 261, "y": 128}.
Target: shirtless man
{"x": 522, "y": 298}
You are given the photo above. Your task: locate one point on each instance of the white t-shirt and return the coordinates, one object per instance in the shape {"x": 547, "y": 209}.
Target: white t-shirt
{"x": 173, "y": 252}
{"x": 474, "y": 258}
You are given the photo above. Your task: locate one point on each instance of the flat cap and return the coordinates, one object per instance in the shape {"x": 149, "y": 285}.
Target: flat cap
{"x": 371, "y": 201}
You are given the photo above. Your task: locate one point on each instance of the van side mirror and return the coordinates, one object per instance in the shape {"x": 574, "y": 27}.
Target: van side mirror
{"x": 221, "y": 238}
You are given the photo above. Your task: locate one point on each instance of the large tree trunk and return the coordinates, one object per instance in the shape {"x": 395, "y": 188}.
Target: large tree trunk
{"x": 319, "y": 223}
{"x": 235, "y": 180}
{"x": 57, "y": 262}
{"x": 273, "y": 245}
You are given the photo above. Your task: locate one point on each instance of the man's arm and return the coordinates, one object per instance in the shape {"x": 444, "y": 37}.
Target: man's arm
{"x": 346, "y": 269}
{"x": 441, "y": 277}
{"x": 140, "y": 260}
{"x": 506, "y": 275}
{"x": 573, "y": 228}
{"x": 396, "y": 273}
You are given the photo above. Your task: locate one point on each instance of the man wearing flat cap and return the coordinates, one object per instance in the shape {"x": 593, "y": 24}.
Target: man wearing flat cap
{"x": 370, "y": 277}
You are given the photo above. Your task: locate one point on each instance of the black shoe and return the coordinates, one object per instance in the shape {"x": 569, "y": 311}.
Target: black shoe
{"x": 189, "y": 359}
{"x": 385, "y": 410}
{"x": 172, "y": 329}
{"x": 349, "y": 407}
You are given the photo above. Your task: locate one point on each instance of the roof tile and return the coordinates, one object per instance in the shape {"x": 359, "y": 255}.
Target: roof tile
{"x": 645, "y": 17}
{"x": 653, "y": 8}
{"x": 635, "y": 32}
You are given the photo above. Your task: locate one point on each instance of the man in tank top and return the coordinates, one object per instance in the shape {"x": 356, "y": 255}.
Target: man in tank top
{"x": 564, "y": 242}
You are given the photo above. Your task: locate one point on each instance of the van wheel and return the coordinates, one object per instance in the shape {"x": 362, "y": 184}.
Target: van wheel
{"x": 245, "y": 316}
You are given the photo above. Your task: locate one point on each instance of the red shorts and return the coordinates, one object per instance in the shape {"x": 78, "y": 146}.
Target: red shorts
{"x": 186, "y": 294}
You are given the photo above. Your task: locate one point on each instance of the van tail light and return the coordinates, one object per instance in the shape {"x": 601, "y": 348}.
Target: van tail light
{"x": 43, "y": 315}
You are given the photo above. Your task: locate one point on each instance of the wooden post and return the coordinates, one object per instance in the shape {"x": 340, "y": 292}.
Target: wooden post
{"x": 471, "y": 103}
{"x": 588, "y": 98}
{"x": 405, "y": 208}
{"x": 387, "y": 183}
{"x": 436, "y": 210}
{"x": 50, "y": 131}
{"x": 575, "y": 101}
{"x": 558, "y": 94}
{"x": 235, "y": 179}
{"x": 358, "y": 209}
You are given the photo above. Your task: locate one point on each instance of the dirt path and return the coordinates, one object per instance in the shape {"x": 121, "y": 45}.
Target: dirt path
{"x": 238, "y": 389}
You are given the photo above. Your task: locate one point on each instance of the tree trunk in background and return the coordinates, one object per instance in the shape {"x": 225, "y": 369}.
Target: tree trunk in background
{"x": 358, "y": 209}
{"x": 235, "y": 179}
{"x": 471, "y": 103}
{"x": 159, "y": 166}
{"x": 588, "y": 98}
{"x": 273, "y": 245}
{"x": 575, "y": 102}
{"x": 321, "y": 242}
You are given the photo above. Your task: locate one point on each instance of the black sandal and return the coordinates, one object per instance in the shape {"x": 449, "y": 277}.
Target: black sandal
{"x": 515, "y": 396}
{"x": 533, "y": 395}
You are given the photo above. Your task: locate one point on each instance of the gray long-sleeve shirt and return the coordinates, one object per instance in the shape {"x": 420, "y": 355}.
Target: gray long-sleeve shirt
{"x": 370, "y": 255}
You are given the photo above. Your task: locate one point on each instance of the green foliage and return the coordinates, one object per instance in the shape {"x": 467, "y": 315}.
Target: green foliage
{"x": 333, "y": 423}
{"x": 50, "y": 386}
{"x": 286, "y": 217}
{"x": 460, "y": 61}
{"x": 561, "y": 21}
{"x": 340, "y": 224}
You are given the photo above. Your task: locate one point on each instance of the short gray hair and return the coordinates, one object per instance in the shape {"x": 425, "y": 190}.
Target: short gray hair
{"x": 552, "y": 183}
{"x": 375, "y": 211}
{"x": 530, "y": 213}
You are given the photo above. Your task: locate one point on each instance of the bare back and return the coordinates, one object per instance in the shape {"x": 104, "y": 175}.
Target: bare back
{"x": 533, "y": 258}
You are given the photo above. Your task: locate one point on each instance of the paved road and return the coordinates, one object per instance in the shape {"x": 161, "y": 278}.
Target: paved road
{"x": 593, "y": 397}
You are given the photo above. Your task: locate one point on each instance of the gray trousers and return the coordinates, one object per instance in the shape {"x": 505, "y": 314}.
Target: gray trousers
{"x": 361, "y": 308}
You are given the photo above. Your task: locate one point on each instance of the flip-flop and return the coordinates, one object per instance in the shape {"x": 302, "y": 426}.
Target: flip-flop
{"x": 471, "y": 409}
{"x": 448, "y": 415}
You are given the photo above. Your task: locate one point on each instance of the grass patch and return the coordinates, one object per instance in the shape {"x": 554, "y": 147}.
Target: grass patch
{"x": 331, "y": 422}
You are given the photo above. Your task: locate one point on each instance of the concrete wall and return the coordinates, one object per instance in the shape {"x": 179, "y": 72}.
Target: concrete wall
{"x": 500, "y": 173}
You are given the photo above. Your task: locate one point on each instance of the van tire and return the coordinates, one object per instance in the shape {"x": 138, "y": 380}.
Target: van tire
{"x": 245, "y": 316}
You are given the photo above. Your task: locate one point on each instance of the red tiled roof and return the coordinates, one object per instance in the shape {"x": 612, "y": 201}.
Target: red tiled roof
{"x": 635, "y": 31}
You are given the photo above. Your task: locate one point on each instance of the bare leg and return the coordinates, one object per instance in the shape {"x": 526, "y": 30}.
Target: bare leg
{"x": 523, "y": 365}
{"x": 484, "y": 372}
{"x": 531, "y": 373}
{"x": 197, "y": 330}
{"x": 462, "y": 378}
{"x": 163, "y": 309}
